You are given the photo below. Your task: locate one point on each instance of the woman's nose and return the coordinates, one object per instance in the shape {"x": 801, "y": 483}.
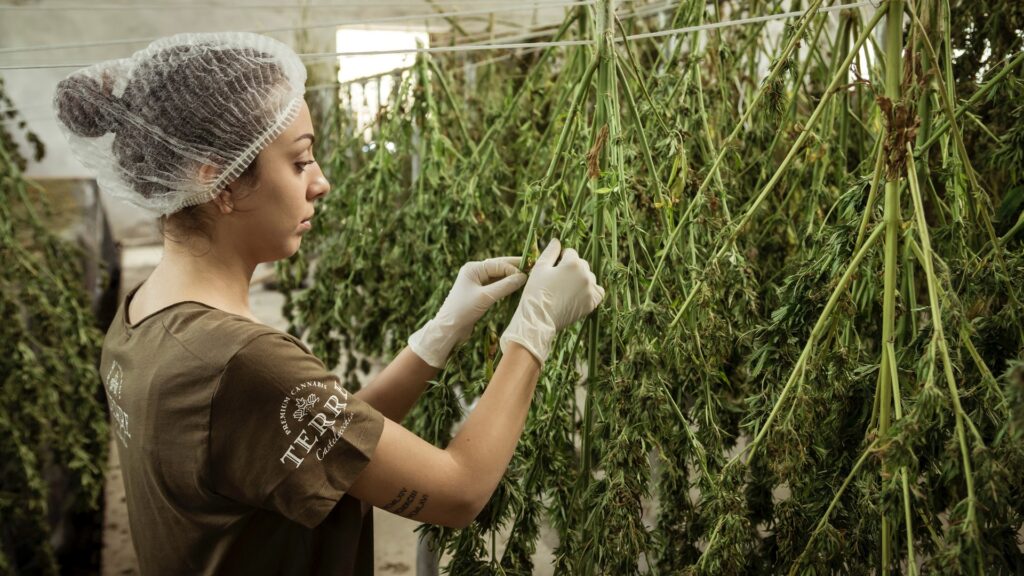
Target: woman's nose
{"x": 320, "y": 186}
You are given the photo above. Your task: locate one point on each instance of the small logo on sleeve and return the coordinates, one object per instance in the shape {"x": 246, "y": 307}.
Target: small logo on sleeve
{"x": 304, "y": 406}
{"x": 311, "y": 411}
{"x": 115, "y": 379}
{"x": 115, "y": 385}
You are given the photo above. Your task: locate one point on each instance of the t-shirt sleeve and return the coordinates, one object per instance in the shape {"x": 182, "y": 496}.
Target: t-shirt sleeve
{"x": 284, "y": 434}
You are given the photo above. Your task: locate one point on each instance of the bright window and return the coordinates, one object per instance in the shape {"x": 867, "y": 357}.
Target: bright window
{"x": 367, "y": 95}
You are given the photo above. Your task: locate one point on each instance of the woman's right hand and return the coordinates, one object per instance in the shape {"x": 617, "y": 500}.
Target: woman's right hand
{"x": 554, "y": 297}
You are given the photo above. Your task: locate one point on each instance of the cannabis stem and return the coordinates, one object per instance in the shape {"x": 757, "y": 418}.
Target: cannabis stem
{"x": 891, "y": 219}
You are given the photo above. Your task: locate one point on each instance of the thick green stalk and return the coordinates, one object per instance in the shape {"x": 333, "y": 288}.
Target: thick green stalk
{"x": 603, "y": 111}
{"x": 924, "y": 101}
{"x": 1017, "y": 227}
{"x": 843, "y": 100}
{"x": 924, "y": 112}
{"x": 618, "y": 158}
{"x": 947, "y": 365}
{"x": 891, "y": 219}
{"x": 904, "y": 481}
{"x": 581, "y": 91}
{"x": 605, "y": 86}
{"x": 873, "y": 191}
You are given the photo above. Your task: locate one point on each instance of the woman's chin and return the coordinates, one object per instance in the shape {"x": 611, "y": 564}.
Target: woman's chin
{"x": 286, "y": 251}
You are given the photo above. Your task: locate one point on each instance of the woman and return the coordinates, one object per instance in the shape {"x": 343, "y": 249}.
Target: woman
{"x": 241, "y": 452}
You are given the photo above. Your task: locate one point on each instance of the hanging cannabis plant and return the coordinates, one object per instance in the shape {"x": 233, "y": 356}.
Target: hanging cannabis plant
{"x": 52, "y": 421}
{"x": 809, "y": 358}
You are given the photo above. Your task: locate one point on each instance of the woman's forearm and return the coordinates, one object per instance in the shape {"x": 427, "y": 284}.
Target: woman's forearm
{"x": 488, "y": 438}
{"x": 399, "y": 385}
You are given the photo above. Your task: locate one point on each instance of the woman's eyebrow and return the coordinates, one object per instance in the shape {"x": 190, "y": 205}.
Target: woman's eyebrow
{"x": 312, "y": 139}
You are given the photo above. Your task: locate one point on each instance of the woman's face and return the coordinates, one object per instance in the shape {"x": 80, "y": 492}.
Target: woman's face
{"x": 269, "y": 222}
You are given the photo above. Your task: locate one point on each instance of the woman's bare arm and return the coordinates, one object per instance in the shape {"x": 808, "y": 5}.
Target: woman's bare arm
{"x": 395, "y": 390}
{"x": 410, "y": 477}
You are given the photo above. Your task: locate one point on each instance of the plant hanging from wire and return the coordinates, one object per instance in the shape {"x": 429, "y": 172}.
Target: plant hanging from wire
{"x": 810, "y": 358}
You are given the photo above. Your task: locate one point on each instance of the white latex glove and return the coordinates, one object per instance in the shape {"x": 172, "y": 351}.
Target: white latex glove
{"x": 478, "y": 286}
{"x": 554, "y": 297}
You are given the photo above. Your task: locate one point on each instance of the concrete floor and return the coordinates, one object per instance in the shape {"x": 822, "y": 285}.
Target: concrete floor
{"x": 395, "y": 541}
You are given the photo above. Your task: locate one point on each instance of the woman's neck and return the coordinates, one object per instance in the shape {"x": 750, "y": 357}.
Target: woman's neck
{"x": 212, "y": 276}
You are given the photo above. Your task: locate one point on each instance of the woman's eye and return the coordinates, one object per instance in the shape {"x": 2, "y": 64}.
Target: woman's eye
{"x": 302, "y": 165}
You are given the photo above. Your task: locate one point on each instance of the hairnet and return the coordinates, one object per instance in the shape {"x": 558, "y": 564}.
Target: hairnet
{"x": 148, "y": 123}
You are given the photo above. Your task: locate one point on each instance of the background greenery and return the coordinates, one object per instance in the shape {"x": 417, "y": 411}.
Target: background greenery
{"x": 806, "y": 362}
{"x": 809, "y": 359}
{"x": 53, "y": 425}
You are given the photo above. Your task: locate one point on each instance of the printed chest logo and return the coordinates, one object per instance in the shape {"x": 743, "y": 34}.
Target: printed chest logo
{"x": 309, "y": 412}
{"x": 115, "y": 386}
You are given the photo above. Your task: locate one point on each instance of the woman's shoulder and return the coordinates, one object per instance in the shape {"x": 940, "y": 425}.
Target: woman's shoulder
{"x": 270, "y": 346}
{"x": 218, "y": 336}
{"x": 195, "y": 335}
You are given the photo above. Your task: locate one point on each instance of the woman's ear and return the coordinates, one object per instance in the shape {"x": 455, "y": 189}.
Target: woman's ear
{"x": 224, "y": 200}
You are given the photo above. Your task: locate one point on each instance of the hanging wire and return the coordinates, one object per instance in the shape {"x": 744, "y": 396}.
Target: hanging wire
{"x": 534, "y": 46}
{"x": 646, "y": 10}
{"x": 335, "y": 24}
{"x": 742, "y": 21}
{"x": 344, "y": 6}
{"x": 331, "y": 55}
{"x": 515, "y": 45}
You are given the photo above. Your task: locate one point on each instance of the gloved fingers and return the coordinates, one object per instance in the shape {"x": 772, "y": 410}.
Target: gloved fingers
{"x": 497, "y": 268}
{"x": 569, "y": 256}
{"x": 470, "y": 269}
{"x": 598, "y": 295}
{"x": 502, "y": 288}
{"x": 549, "y": 255}
{"x": 513, "y": 260}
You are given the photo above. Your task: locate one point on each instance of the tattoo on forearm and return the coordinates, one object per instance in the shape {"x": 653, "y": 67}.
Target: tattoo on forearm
{"x": 394, "y": 502}
{"x": 416, "y": 510}
{"x": 406, "y": 498}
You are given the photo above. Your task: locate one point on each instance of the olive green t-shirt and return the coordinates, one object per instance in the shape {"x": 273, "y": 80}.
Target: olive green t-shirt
{"x": 237, "y": 447}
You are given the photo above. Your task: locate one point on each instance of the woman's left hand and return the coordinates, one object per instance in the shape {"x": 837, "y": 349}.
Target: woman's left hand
{"x": 478, "y": 286}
